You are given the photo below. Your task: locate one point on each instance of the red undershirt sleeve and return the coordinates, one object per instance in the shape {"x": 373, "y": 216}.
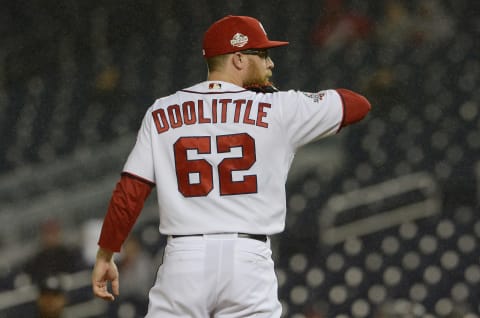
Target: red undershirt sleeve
{"x": 125, "y": 206}
{"x": 355, "y": 106}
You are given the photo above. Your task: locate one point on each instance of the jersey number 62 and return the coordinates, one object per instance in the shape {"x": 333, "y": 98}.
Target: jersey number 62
{"x": 204, "y": 169}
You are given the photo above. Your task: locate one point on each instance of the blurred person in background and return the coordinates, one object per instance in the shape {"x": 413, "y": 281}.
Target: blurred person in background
{"x": 338, "y": 26}
{"x": 54, "y": 256}
{"x": 52, "y": 298}
{"x": 136, "y": 268}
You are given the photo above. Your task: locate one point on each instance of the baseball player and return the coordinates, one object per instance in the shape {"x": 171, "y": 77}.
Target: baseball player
{"x": 218, "y": 155}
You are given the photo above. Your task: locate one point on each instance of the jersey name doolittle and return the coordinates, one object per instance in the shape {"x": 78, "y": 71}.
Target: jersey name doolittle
{"x": 192, "y": 112}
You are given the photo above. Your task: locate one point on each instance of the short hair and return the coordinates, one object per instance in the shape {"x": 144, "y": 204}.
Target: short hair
{"x": 215, "y": 63}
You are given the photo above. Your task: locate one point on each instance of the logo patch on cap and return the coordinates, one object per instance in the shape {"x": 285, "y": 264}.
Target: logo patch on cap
{"x": 239, "y": 40}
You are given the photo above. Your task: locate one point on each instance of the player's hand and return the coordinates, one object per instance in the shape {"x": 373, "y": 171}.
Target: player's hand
{"x": 105, "y": 271}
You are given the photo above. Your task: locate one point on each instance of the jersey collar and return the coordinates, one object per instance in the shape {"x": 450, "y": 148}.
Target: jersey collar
{"x": 214, "y": 87}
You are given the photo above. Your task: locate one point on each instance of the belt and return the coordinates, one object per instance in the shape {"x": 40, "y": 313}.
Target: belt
{"x": 258, "y": 237}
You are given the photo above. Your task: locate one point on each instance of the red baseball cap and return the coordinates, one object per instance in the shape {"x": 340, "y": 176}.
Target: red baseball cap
{"x": 236, "y": 33}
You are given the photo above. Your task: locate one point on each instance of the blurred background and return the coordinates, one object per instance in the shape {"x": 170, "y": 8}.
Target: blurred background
{"x": 382, "y": 218}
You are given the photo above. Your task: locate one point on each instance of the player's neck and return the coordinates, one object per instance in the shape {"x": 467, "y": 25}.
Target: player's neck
{"x": 225, "y": 77}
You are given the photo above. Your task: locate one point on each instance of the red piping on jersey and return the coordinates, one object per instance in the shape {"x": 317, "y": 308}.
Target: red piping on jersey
{"x": 125, "y": 206}
{"x": 355, "y": 107}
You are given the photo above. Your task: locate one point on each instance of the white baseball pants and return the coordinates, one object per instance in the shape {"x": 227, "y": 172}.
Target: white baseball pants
{"x": 215, "y": 276}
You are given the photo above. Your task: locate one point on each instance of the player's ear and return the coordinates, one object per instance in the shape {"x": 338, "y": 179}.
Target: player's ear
{"x": 239, "y": 61}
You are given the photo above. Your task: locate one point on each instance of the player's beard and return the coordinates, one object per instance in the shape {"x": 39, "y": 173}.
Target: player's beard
{"x": 258, "y": 76}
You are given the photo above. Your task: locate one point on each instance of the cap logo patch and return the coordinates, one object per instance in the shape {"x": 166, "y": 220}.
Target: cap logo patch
{"x": 239, "y": 40}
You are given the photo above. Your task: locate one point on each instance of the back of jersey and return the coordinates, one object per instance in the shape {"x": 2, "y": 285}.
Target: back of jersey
{"x": 219, "y": 154}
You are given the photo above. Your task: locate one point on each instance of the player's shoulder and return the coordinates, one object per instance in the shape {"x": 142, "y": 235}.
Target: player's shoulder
{"x": 164, "y": 101}
{"x": 290, "y": 94}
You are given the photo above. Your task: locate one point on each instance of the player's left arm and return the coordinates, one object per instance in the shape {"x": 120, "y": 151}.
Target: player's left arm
{"x": 355, "y": 107}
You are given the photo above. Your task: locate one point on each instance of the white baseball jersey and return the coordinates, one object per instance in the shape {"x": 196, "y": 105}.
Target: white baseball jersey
{"x": 219, "y": 154}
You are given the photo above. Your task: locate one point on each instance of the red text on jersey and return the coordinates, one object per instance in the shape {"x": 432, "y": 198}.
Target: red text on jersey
{"x": 191, "y": 112}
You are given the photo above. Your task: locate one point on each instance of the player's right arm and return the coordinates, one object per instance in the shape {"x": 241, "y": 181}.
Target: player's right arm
{"x": 131, "y": 191}
{"x": 125, "y": 206}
